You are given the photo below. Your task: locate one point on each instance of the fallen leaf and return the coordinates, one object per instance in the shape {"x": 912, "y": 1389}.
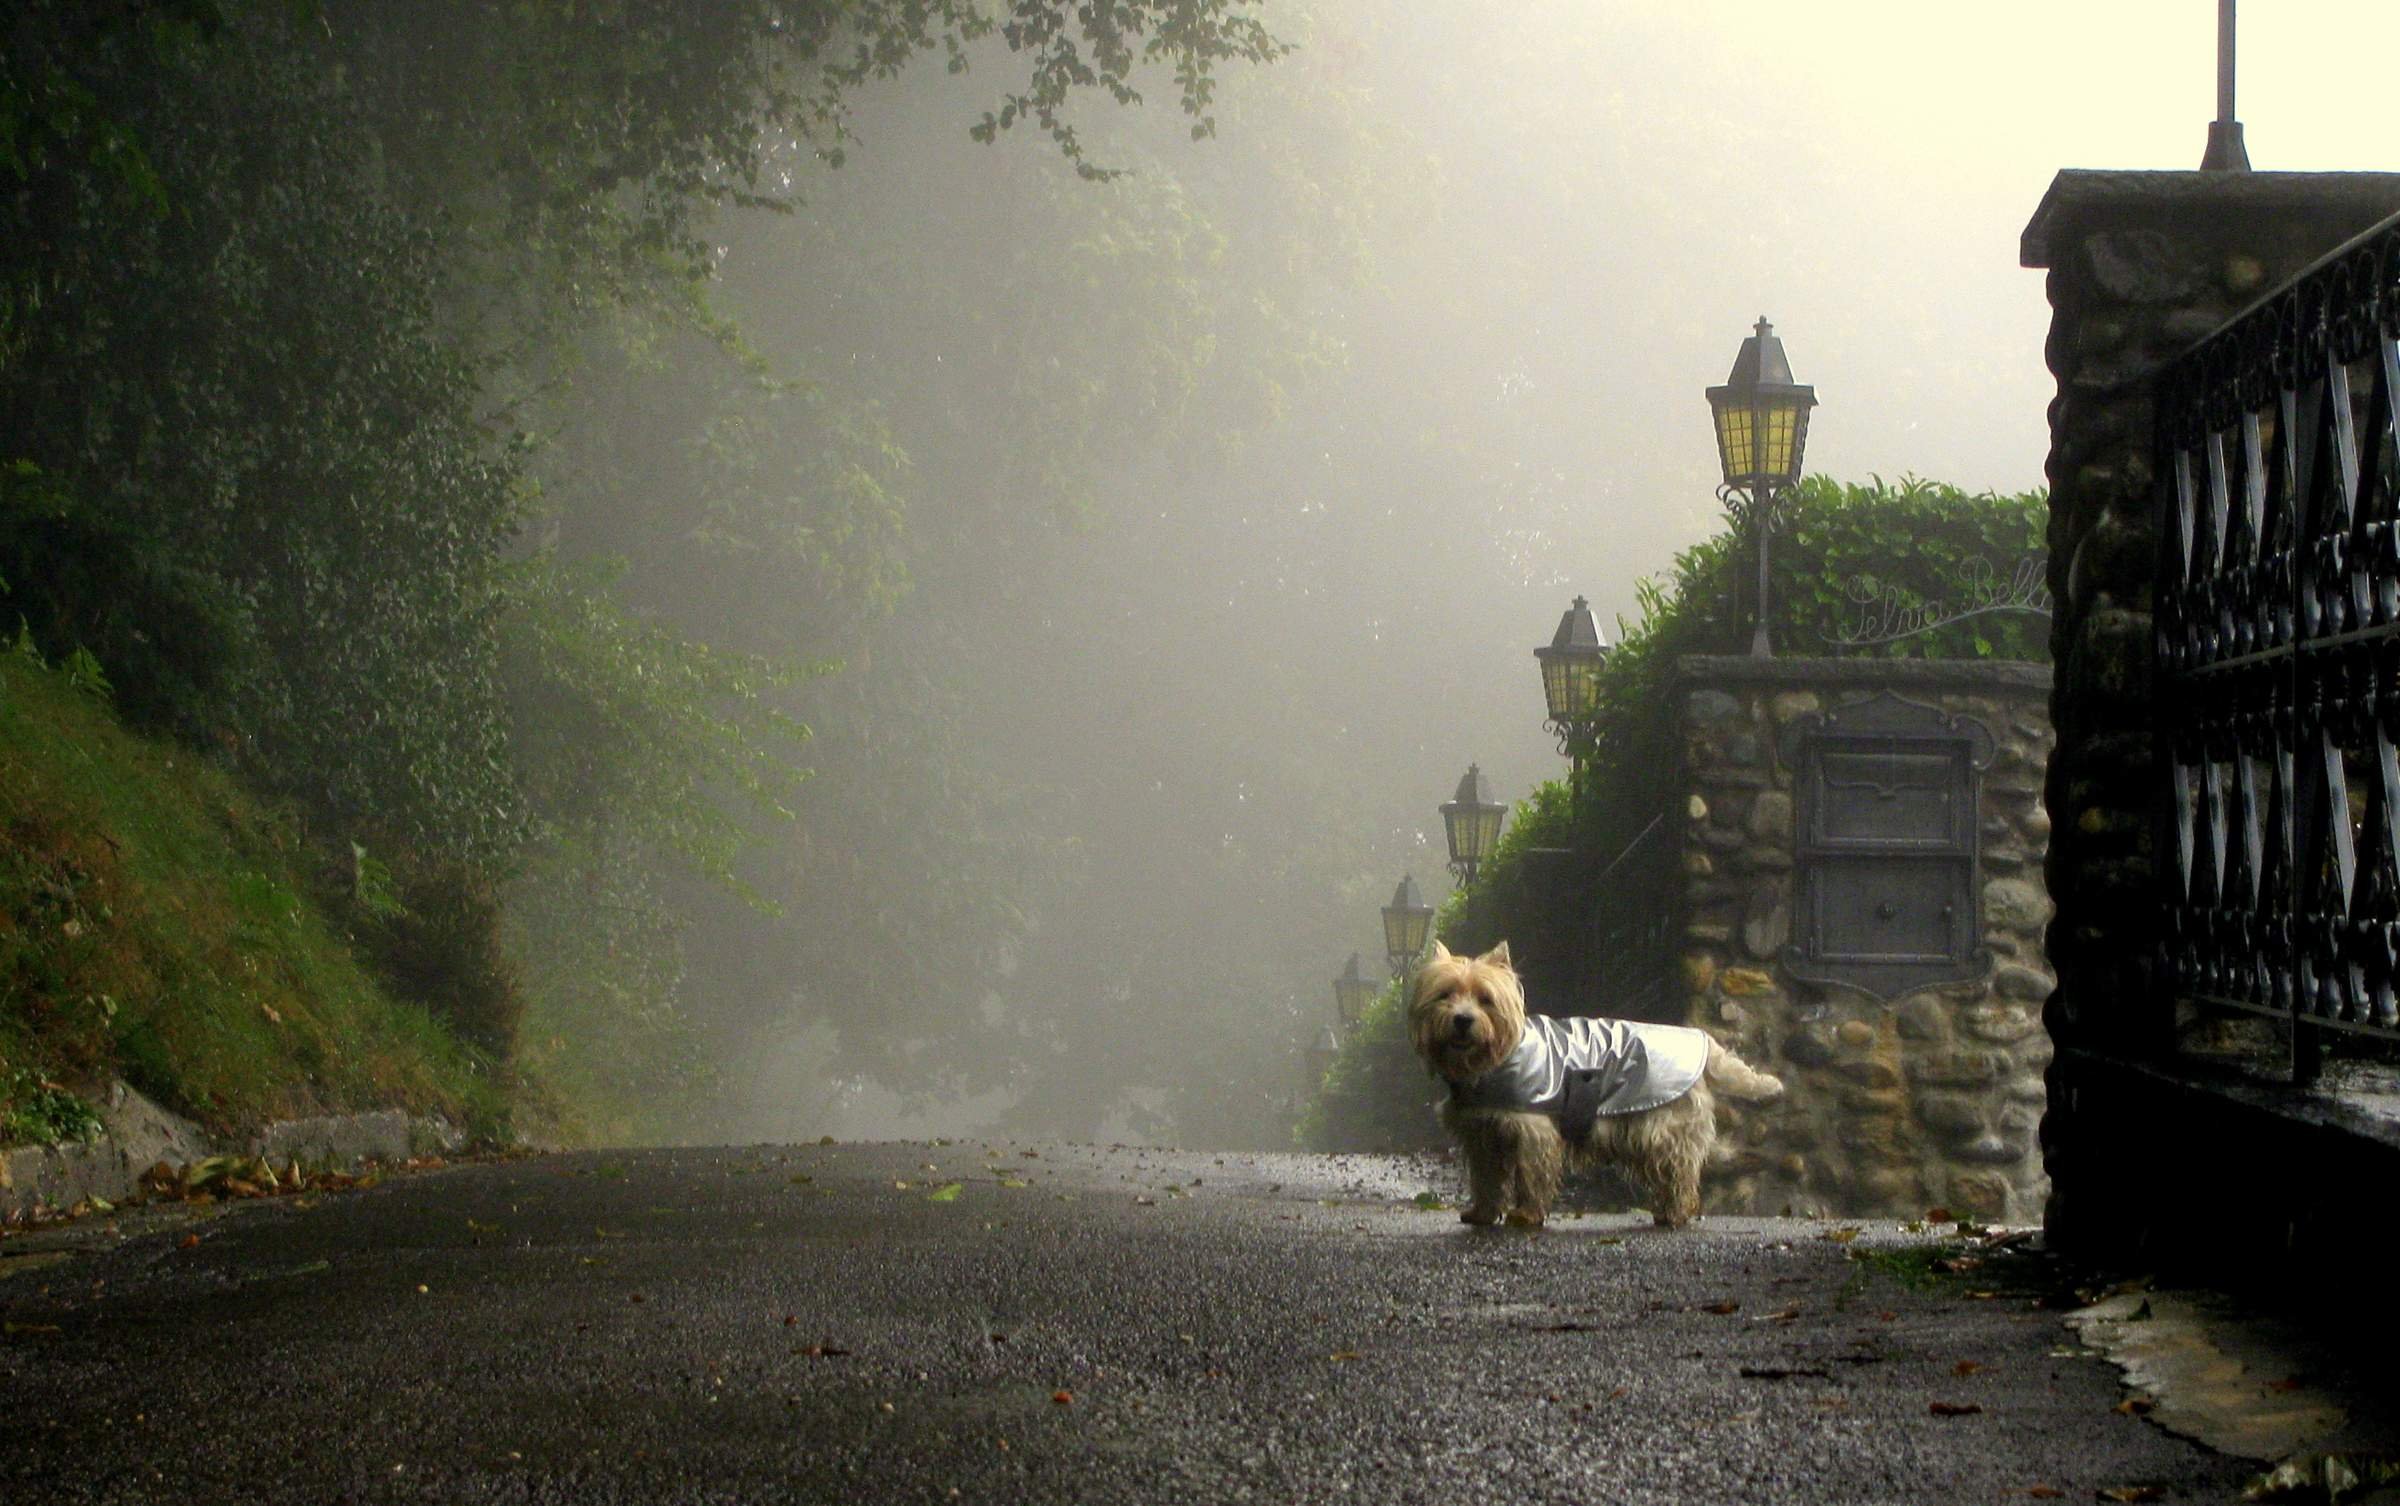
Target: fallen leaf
{"x": 1722, "y": 1308}
{"x": 1784, "y": 1316}
{"x": 2132, "y": 1493}
{"x": 1430, "y": 1201}
{"x": 1841, "y": 1236}
{"x": 1063, "y": 1398}
{"x": 30, "y": 1328}
{"x": 1342, "y": 1356}
{"x": 1965, "y": 1367}
{"x": 1954, "y": 1409}
{"x": 188, "y": 1242}
{"x": 900, "y": 1186}
{"x": 2136, "y": 1406}
{"x": 1014, "y": 1182}
{"x": 947, "y": 1194}
{"x": 2044, "y": 1492}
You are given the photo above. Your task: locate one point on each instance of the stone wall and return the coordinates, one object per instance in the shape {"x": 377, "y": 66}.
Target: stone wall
{"x": 1931, "y": 1099}
{"x": 2141, "y": 265}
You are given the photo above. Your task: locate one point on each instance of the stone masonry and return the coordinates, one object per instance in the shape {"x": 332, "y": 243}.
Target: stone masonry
{"x": 1931, "y": 1099}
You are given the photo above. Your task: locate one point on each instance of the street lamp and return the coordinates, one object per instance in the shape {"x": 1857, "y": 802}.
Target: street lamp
{"x": 1351, "y": 995}
{"x": 1762, "y": 428}
{"x": 1571, "y": 664}
{"x": 1471, "y": 820}
{"x": 1407, "y": 924}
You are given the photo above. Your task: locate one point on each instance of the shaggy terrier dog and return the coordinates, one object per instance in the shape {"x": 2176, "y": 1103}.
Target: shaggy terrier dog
{"x": 1528, "y": 1092}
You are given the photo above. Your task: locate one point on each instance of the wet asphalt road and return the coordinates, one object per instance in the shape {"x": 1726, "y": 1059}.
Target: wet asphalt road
{"x": 790, "y": 1324}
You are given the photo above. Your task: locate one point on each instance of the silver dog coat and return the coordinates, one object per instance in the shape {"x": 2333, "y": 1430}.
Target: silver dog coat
{"x": 1578, "y": 1069}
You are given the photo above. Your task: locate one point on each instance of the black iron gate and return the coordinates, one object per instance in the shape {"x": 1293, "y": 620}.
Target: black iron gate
{"x": 2278, "y": 622}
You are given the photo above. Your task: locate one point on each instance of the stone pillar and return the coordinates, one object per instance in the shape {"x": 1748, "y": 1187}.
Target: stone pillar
{"x": 1928, "y": 1099}
{"x": 2141, "y": 265}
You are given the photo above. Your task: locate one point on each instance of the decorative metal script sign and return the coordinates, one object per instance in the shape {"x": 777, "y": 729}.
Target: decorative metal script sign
{"x": 1887, "y": 613}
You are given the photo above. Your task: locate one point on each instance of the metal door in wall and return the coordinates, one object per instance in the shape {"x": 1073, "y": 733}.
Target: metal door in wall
{"x": 1884, "y": 859}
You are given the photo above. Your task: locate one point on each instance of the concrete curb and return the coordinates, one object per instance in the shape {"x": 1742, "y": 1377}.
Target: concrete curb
{"x": 136, "y": 1134}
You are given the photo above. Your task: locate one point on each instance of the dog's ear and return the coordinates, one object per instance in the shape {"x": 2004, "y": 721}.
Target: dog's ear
{"x": 1441, "y": 953}
{"x": 1497, "y": 956}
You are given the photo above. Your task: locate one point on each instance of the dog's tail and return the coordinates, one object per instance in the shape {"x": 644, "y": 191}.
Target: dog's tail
{"x": 1735, "y": 1078}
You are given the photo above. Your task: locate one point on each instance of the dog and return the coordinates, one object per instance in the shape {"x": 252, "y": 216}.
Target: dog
{"x": 1529, "y": 1094}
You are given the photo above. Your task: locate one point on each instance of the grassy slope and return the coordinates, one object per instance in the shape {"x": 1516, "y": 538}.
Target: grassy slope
{"x": 158, "y": 923}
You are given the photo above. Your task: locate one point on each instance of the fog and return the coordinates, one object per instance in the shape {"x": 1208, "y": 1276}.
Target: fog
{"x": 1182, "y": 538}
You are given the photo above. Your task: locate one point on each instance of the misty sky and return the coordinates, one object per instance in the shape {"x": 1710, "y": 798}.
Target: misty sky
{"x": 1860, "y": 173}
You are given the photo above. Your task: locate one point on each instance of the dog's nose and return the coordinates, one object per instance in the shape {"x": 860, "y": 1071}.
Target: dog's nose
{"x": 1462, "y": 1024}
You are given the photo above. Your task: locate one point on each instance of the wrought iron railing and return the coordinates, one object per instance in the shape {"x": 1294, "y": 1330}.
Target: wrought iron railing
{"x": 1629, "y": 937}
{"x": 2278, "y": 637}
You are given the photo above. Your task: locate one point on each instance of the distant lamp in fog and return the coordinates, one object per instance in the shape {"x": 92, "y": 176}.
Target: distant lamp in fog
{"x": 1762, "y": 431}
{"x": 1471, "y": 820}
{"x": 1351, "y": 995}
{"x": 1407, "y": 926}
{"x": 1571, "y": 663}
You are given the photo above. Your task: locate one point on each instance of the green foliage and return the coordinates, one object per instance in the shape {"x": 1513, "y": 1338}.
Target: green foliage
{"x": 1913, "y": 539}
{"x": 318, "y": 312}
{"x": 623, "y": 722}
{"x": 34, "y": 1111}
{"x": 75, "y": 582}
{"x": 158, "y": 923}
{"x": 439, "y": 945}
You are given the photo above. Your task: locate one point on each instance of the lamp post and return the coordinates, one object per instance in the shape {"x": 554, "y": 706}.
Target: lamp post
{"x": 1407, "y": 926}
{"x": 1319, "y": 1059}
{"x": 1571, "y": 663}
{"x": 1471, "y": 820}
{"x": 1351, "y": 995}
{"x": 1762, "y": 428}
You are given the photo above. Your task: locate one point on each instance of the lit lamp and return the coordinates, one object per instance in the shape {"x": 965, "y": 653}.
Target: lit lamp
{"x": 1762, "y": 428}
{"x": 1351, "y": 995}
{"x": 1407, "y": 925}
{"x": 1571, "y": 677}
{"x": 1471, "y": 820}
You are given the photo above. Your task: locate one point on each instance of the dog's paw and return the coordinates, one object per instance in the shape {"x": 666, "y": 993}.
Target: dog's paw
{"x": 1479, "y": 1217}
{"x": 1519, "y": 1218}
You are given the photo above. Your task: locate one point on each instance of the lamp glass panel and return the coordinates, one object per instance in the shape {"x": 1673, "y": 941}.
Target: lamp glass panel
{"x": 1487, "y": 830}
{"x": 1395, "y": 932}
{"x": 1775, "y": 428}
{"x": 1558, "y": 687}
{"x": 1586, "y": 697}
{"x": 1458, "y": 826}
{"x": 1734, "y": 429}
